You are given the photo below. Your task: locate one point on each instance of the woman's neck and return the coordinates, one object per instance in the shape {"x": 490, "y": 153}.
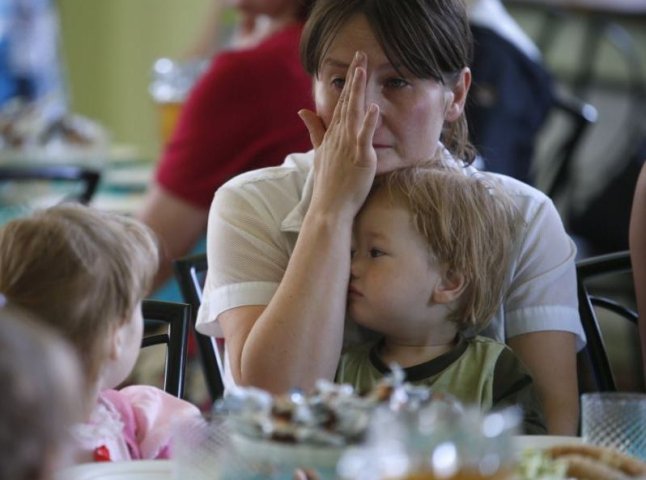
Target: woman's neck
{"x": 411, "y": 354}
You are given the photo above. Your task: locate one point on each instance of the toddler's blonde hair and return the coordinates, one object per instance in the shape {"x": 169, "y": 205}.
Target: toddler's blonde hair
{"x": 469, "y": 225}
{"x": 81, "y": 270}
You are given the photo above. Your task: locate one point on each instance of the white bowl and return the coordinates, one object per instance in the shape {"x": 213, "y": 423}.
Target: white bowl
{"x": 126, "y": 470}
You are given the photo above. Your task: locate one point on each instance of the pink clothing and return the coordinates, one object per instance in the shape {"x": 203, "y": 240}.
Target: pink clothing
{"x": 134, "y": 423}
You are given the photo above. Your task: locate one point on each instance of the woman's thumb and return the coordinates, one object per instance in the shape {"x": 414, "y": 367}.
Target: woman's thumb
{"x": 314, "y": 126}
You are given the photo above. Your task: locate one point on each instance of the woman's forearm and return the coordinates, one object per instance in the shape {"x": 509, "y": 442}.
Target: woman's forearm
{"x": 637, "y": 240}
{"x": 298, "y": 337}
{"x": 550, "y": 357}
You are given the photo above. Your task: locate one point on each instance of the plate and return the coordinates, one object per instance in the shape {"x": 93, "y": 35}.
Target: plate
{"x": 285, "y": 454}
{"x": 523, "y": 442}
{"x": 127, "y": 470}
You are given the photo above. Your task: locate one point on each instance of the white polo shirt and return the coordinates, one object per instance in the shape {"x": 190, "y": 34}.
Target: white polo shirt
{"x": 255, "y": 219}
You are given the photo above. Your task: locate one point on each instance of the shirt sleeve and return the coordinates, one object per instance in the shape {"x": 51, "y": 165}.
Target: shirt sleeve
{"x": 251, "y": 253}
{"x": 512, "y": 385}
{"x": 157, "y": 415}
{"x": 541, "y": 293}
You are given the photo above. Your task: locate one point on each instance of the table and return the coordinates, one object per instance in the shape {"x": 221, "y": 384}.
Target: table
{"x": 124, "y": 178}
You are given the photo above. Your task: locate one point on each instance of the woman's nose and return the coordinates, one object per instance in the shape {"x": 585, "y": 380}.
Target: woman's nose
{"x": 374, "y": 95}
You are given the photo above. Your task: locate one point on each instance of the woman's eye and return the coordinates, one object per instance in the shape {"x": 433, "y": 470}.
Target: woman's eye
{"x": 338, "y": 83}
{"x": 396, "y": 83}
{"x": 374, "y": 253}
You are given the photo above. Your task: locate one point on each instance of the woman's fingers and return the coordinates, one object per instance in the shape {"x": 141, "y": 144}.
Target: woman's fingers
{"x": 367, "y": 131}
{"x": 356, "y": 104}
{"x": 314, "y": 126}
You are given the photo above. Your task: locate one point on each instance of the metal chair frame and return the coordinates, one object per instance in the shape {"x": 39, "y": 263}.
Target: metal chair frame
{"x": 176, "y": 317}
{"x": 595, "y": 353}
{"x": 190, "y": 273}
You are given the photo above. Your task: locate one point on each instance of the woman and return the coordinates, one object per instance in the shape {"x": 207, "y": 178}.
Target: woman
{"x": 390, "y": 84}
{"x": 241, "y": 115}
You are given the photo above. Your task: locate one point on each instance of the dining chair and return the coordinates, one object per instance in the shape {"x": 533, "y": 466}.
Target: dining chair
{"x": 579, "y": 116}
{"x": 190, "y": 273}
{"x": 595, "y": 370}
{"x": 168, "y": 323}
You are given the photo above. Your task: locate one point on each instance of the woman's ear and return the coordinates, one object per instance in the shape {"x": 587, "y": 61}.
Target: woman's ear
{"x": 458, "y": 95}
{"x": 449, "y": 288}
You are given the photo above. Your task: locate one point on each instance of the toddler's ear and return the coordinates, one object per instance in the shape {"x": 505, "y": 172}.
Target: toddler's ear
{"x": 449, "y": 289}
{"x": 117, "y": 341}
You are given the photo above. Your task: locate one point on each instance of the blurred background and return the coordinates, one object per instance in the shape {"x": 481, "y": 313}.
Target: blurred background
{"x": 109, "y": 48}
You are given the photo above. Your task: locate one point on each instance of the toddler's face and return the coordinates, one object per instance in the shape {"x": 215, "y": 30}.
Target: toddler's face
{"x": 392, "y": 277}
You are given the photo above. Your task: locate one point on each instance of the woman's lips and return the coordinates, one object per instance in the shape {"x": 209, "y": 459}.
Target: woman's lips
{"x": 380, "y": 146}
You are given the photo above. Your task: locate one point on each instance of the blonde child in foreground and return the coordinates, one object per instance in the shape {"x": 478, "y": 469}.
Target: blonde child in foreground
{"x": 85, "y": 272}
{"x": 430, "y": 252}
{"x": 40, "y": 377}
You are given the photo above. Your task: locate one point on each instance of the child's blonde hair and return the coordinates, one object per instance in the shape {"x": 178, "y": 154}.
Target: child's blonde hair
{"x": 469, "y": 225}
{"x": 81, "y": 270}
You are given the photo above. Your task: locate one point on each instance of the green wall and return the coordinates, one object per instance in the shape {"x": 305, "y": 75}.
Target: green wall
{"x": 109, "y": 47}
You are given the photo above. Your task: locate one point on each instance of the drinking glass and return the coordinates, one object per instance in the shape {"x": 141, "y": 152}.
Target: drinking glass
{"x": 615, "y": 419}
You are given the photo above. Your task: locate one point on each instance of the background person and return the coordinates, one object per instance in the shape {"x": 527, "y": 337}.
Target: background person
{"x": 430, "y": 250}
{"x": 279, "y": 239}
{"x": 241, "y": 115}
{"x": 511, "y": 92}
{"x": 85, "y": 272}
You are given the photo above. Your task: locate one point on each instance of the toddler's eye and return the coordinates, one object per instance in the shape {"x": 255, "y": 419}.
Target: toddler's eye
{"x": 374, "y": 253}
{"x": 352, "y": 252}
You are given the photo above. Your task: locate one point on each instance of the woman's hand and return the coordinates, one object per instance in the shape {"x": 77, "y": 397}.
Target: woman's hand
{"x": 345, "y": 161}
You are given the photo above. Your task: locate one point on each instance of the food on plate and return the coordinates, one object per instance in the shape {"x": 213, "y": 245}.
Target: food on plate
{"x": 333, "y": 415}
{"x": 44, "y": 127}
{"x": 593, "y": 462}
{"x": 578, "y": 461}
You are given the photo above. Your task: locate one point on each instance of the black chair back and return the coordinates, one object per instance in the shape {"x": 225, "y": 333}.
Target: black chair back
{"x": 175, "y": 318}
{"x": 594, "y": 357}
{"x": 190, "y": 273}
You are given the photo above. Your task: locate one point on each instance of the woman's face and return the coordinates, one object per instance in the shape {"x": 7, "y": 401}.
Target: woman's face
{"x": 412, "y": 110}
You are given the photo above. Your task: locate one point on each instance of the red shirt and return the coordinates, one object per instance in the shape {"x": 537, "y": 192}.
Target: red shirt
{"x": 241, "y": 115}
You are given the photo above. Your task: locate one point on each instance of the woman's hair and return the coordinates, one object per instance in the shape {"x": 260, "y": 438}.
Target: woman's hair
{"x": 42, "y": 396}
{"x": 429, "y": 38}
{"x": 305, "y": 6}
{"x": 469, "y": 225}
{"x": 81, "y": 270}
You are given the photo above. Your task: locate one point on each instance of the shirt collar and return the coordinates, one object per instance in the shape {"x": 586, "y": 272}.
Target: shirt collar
{"x": 294, "y": 219}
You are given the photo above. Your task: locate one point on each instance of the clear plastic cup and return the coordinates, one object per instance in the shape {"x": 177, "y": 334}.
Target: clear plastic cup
{"x": 171, "y": 82}
{"x": 615, "y": 419}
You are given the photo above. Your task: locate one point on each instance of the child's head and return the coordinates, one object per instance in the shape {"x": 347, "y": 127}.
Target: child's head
{"x": 41, "y": 398}
{"x": 81, "y": 270}
{"x": 439, "y": 237}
